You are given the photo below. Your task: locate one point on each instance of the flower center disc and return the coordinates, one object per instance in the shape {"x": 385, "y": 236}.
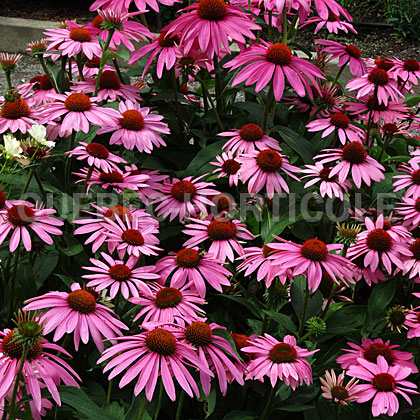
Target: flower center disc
{"x": 415, "y": 249}
{"x": 390, "y": 128}
{"x": 279, "y": 54}
{"x": 397, "y": 318}
{"x": 119, "y": 211}
{"x": 379, "y": 240}
{"x": 168, "y": 297}
{"x": 241, "y": 341}
{"x": 199, "y": 334}
{"x": 94, "y": 63}
{"x": 82, "y": 301}
{"x": 97, "y": 22}
{"x": 214, "y": 10}
{"x": 379, "y": 349}
{"x": 188, "y": 258}
{"x": 109, "y": 80}
{"x": 267, "y": 251}
{"x": 20, "y": 215}
{"x": 324, "y": 174}
{"x": 384, "y": 63}
{"x": 415, "y": 177}
{"x": 44, "y": 83}
{"x": 112, "y": 177}
{"x": 186, "y": 61}
{"x": 161, "y": 342}
{"x": 97, "y": 150}
{"x": 411, "y": 65}
{"x": 327, "y": 283}
{"x": 230, "y": 166}
{"x": 132, "y": 237}
{"x": 15, "y": 110}
{"x": 340, "y": 120}
{"x": 375, "y": 105}
{"x": 251, "y": 132}
{"x": 80, "y": 34}
{"x": 339, "y": 392}
{"x": 383, "y": 382}
{"x": 269, "y": 160}
{"x": 221, "y": 229}
{"x": 282, "y": 353}
{"x": 78, "y": 102}
{"x": 13, "y": 347}
{"x": 183, "y": 191}
{"x": 119, "y": 272}
{"x": 3, "y": 199}
{"x": 222, "y": 202}
{"x": 314, "y": 250}
{"x": 378, "y": 77}
{"x": 353, "y": 51}
{"x": 132, "y": 120}
{"x": 354, "y": 153}
{"x": 167, "y": 42}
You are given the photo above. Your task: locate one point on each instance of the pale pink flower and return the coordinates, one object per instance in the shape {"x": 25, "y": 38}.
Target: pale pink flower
{"x": 329, "y": 186}
{"x": 119, "y": 275}
{"x": 136, "y": 127}
{"x": 77, "y": 312}
{"x": 36, "y": 92}
{"x": 227, "y": 166}
{"x": 123, "y": 5}
{"x": 384, "y": 383}
{"x": 413, "y": 321}
{"x": 412, "y": 263}
{"x": 185, "y": 197}
{"x": 333, "y": 388}
{"x": 22, "y": 219}
{"x": 279, "y": 360}
{"x": 406, "y": 71}
{"x": 157, "y": 352}
{"x": 223, "y": 234}
{"x": 410, "y": 210}
{"x": 323, "y": 8}
{"x": 16, "y": 116}
{"x": 97, "y": 155}
{"x": 360, "y": 272}
{"x": 411, "y": 181}
{"x": 332, "y": 23}
{"x": 169, "y": 304}
{"x": 197, "y": 269}
{"x": 247, "y": 139}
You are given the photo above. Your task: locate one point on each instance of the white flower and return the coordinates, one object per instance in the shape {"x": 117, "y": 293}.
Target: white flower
{"x": 12, "y": 146}
{"x": 39, "y": 133}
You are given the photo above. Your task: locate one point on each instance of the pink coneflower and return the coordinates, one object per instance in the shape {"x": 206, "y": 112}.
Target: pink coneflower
{"x": 165, "y": 47}
{"x": 227, "y": 166}
{"x": 74, "y": 39}
{"x": 310, "y": 259}
{"x": 332, "y": 23}
{"x": 77, "y": 110}
{"x": 333, "y": 388}
{"x": 345, "y": 54}
{"x": 169, "y": 305}
{"x": 41, "y": 368}
{"x": 215, "y": 352}
{"x": 265, "y": 62}
{"x": 384, "y": 383}
{"x": 119, "y": 275}
{"x": 97, "y": 155}
{"x": 189, "y": 266}
{"x": 393, "y": 111}
{"x": 110, "y": 88}
{"x": 77, "y": 312}
{"x": 377, "y": 80}
{"x": 136, "y": 127}
{"x": 371, "y": 349}
{"x": 185, "y": 197}
{"x": 124, "y": 5}
{"x": 21, "y": 219}
{"x": 340, "y": 123}
{"x": 261, "y": 169}
{"x": 329, "y": 186}
{"x": 131, "y": 235}
{"x": 9, "y": 61}
{"x": 411, "y": 181}
{"x": 222, "y": 232}
{"x": 247, "y": 139}
{"x": 156, "y": 352}
{"x": 256, "y": 259}
{"x": 406, "y": 71}
{"x": 378, "y": 245}
{"x": 115, "y": 179}
{"x": 213, "y": 23}
{"x": 16, "y": 116}
{"x": 353, "y": 158}
{"x": 323, "y": 8}
{"x": 37, "y": 91}
{"x": 412, "y": 264}
{"x": 413, "y": 321}
{"x": 93, "y": 225}
{"x": 360, "y": 272}
{"x": 282, "y": 360}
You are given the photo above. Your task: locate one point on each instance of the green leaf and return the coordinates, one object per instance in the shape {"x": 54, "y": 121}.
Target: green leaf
{"x": 283, "y": 320}
{"x": 379, "y": 299}
{"x": 240, "y": 415}
{"x": 253, "y": 307}
{"x": 43, "y": 266}
{"x": 296, "y": 142}
{"x": 346, "y": 320}
{"x": 271, "y": 226}
{"x": 297, "y": 295}
{"x": 412, "y": 100}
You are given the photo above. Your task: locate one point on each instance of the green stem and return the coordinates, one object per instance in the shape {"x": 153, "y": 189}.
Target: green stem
{"x": 159, "y": 403}
{"x": 374, "y": 98}
{"x": 218, "y": 84}
{"x": 294, "y": 27}
{"x": 41, "y": 187}
{"x": 28, "y": 181}
{"x": 337, "y": 76}
{"x": 387, "y": 139}
{"x": 88, "y": 176}
{"x": 180, "y": 403}
{"x": 117, "y": 68}
{"x": 330, "y": 298}
{"x": 109, "y": 393}
{"x": 270, "y": 97}
{"x": 102, "y": 63}
{"x": 8, "y": 79}
{"x": 178, "y": 117}
{"x": 79, "y": 63}
{"x": 67, "y": 167}
{"x": 13, "y": 281}
{"x": 305, "y": 307}
{"x": 143, "y": 20}
{"x": 284, "y": 26}
{"x": 269, "y": 404}
{"x": 13, "y": 406}
{"x": 204, "y": 87}
{"x": 142, "y": 408}
{"x": 270, "y": 301}
{"x": 48, "y": 73}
